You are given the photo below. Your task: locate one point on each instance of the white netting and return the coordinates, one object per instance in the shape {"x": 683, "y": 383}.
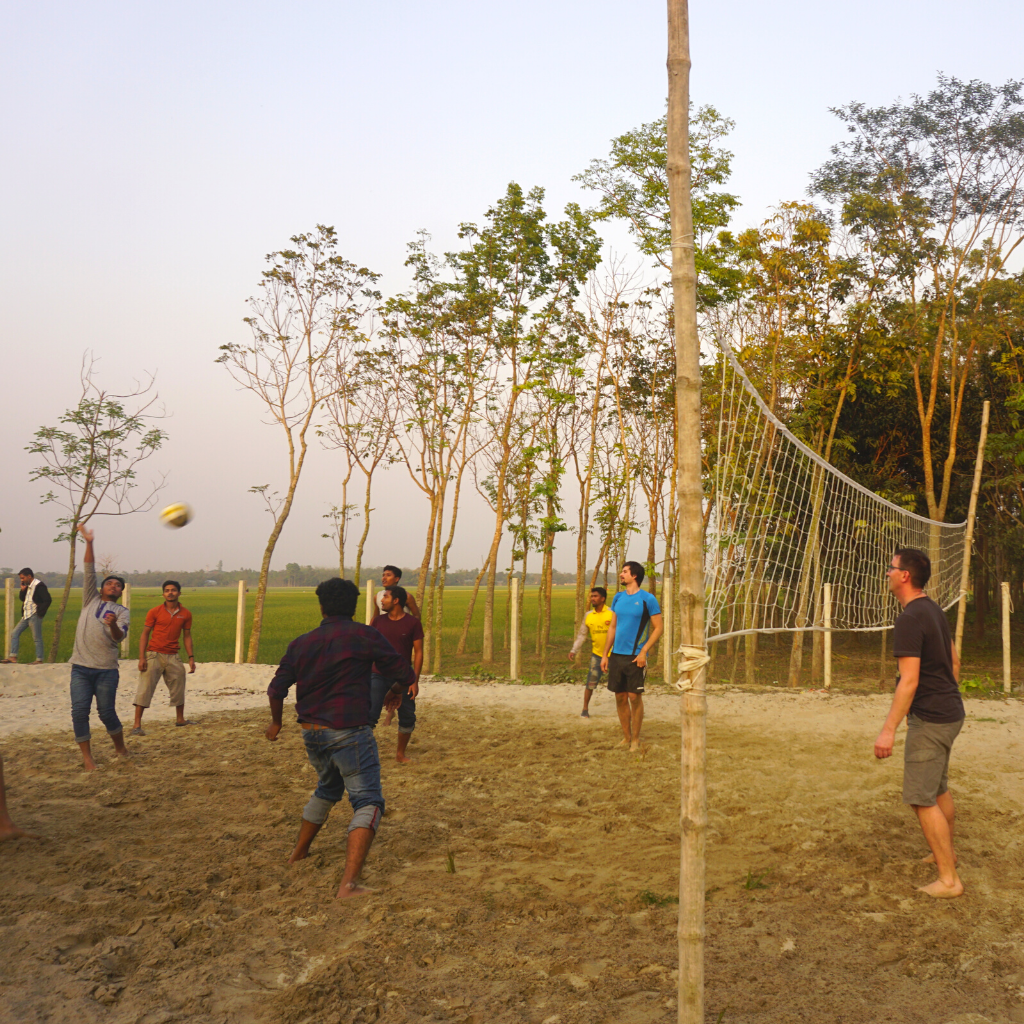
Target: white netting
{"x": 782, "y": 522}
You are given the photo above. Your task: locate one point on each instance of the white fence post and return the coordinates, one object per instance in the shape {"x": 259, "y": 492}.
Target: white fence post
{"x": 1005, "y": 589}
{"x": 240, "y": 624}
{"x": 371, "y": 603}
{"x": 513, "y": 645}
{"x": 827, "y": 609}
{"x": 8, "y": 614}
{"x": 126, "y": 600}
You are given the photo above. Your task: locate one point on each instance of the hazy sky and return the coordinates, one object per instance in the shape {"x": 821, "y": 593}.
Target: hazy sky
{"x": 154, "y": 153}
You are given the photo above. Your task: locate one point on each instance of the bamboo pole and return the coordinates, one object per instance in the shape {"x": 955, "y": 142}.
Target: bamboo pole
{"x": 666, "y": 639}
{"x": 126, "y": 600}
{"x": 371, "y": 603}
{"x": 826, "y": 614}
{"x": 8, "y": 614}
{"x": 240, "y": 624}
{"x": 513, "y": 640}
{"x": 689, "y": 512}
{"x": 1005, "y": 591}
{"x": 961, "y": 609}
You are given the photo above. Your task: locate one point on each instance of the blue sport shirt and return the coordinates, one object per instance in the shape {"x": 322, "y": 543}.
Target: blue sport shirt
{"x": 633, "y": 620}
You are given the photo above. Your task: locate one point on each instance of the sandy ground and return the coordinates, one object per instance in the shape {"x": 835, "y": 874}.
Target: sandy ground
{"x": 159, "y": 892}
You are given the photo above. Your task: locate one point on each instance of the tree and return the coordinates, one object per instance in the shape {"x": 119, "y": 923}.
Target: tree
{"x": 91, "y": 463}
{"x": 934, "y": 189}
{"x": 634, "y": 184}
{"x": 308, "y": 301}
{"x": 517, "y": 274}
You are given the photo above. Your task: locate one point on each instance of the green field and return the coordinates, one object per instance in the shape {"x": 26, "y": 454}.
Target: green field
{"x": 290, "y": 611}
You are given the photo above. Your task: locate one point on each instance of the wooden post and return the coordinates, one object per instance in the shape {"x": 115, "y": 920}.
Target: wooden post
{"x": 826, "y": 610}
{"x": 240, "y": 624}
{"x": 667, "y": 663}
{"x": 693, "y": 811}
{"x": 8, "y": 614}
{"x": 961, "y": 610}
{"x": 513, "y": 640}
{"x": 1005, "y": 590}
{"x": 126, "y": 600}
{"x": 371, "y": 603}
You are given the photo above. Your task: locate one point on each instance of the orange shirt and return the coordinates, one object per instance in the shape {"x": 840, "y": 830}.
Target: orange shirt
{"x": 166, "y": 628}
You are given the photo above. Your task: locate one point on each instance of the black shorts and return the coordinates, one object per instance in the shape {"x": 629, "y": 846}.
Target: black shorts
{"x": 624, "y": 676}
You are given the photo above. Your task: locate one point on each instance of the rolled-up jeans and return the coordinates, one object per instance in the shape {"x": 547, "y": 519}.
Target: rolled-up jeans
{"x": 379, "y": 687}
{"x": 37, "y": 634}
{"x": 345, "y": 760}
{"x": 87, "y": 683}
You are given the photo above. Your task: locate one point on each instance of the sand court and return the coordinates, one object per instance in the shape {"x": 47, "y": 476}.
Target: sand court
{"x": 159, "y": 892}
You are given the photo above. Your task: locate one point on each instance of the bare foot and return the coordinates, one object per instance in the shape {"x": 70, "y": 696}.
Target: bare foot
{"x": 403, "y": 759}
{"x": 634, "y": 746}
{"x": 941, "y": 891}
{"x": 930, "y": 859}
{"x": 350, "y": 889}
{"x": 89, "y": 764}
{"x": 9, "y": 661}
{"x": 123, "y": 753}
{"x": 298, "y": 855}
{"x": 622, "y": 743}
{"x": 12, "y": 831}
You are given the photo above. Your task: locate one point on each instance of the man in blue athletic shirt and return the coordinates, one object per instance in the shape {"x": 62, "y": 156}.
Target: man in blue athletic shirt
{"x": 635, "y": 614}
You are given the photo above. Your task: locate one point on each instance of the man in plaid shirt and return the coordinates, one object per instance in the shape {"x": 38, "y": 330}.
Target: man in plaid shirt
{"x": 331, "y": 667}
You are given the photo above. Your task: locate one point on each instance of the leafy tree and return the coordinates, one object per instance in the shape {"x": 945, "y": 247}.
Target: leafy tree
{"x": 91, "y": 463}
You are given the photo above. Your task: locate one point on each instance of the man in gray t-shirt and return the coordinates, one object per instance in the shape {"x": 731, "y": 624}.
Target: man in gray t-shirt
{"x": 102, "y": 625}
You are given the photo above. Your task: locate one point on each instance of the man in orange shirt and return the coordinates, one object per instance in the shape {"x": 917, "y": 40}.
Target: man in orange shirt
{"x": 164, "y": 625}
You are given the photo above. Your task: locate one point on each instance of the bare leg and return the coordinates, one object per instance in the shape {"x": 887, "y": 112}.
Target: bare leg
{"x": 359, "y": 842}
{"x": 403, "y": 742}
{"x": 587, "y": 694}
{"x": 936, "y": 831}
{"x": 622, "y": 710}
{"x": 636, "y": 719}
{"x": 945, "y": 804}
{"x": 119, "y": 748}
{"x": 138, "y": 716}
{"x": 179, "y": 712}
{"x": 307, "y": 831}
{"x": 8, "y": 830}
{"x": 86, "y": 748}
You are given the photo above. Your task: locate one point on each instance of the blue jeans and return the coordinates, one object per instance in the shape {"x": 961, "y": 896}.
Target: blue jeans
{"x": 37, "y": 634}
{"x": 87, "y": 683}
{"x": 379, "y": 687}
{"x": 345, "y": 759}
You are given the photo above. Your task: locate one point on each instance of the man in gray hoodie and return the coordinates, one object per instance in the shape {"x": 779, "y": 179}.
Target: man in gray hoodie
{"x": 102, "y": 625}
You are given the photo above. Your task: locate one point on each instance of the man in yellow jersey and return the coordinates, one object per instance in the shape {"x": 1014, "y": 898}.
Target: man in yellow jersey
{"x": 595, "y": 625}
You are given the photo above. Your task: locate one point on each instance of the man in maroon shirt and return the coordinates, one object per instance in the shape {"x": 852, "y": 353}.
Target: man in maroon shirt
{"x": 331, "y": 668}
{"x": 405, "y": 634}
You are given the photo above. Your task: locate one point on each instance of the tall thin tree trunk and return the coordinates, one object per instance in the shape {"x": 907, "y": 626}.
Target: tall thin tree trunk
{"x": 366, "y": 529}
{"x": 58, "y": 622}
{"x": 464, "y": 636}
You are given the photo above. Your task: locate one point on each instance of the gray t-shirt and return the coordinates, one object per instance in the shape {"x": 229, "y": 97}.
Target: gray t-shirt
{"x": 94, "y": 646}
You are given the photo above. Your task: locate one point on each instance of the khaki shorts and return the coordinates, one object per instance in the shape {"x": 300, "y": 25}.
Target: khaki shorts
{"x": 170, "y": 667}
{"x": 926, "y": 760}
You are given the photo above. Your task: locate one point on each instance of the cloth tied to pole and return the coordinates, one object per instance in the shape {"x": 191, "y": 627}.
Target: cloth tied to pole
{"x": 691, "y": 659}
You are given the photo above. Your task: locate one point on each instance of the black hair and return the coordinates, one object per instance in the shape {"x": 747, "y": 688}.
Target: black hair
{"x": 637, "y": 570}
{"x": 601, "y": 591}
{"x": 918, "y": 564}
{"x": 120, "y": 579}
{"x": 392, "y": 569}
{"x": 26, "y": 572}
{"x": 337, "y": 596}
{"x": 398, "y": 594}
{"x": 170, "y": 583}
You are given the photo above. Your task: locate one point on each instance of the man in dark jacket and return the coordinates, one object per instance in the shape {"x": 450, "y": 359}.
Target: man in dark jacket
{"x": 35, "y": 600}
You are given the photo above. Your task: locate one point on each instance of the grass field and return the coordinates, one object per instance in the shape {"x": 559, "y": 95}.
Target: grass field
{"x": 290, "y": 611}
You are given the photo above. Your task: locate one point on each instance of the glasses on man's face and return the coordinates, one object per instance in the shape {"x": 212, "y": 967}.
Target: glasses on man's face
{"x": 892, "y": 568}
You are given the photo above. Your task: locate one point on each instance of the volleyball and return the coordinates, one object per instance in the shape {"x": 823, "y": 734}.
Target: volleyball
{"x": 176, "y": 515}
